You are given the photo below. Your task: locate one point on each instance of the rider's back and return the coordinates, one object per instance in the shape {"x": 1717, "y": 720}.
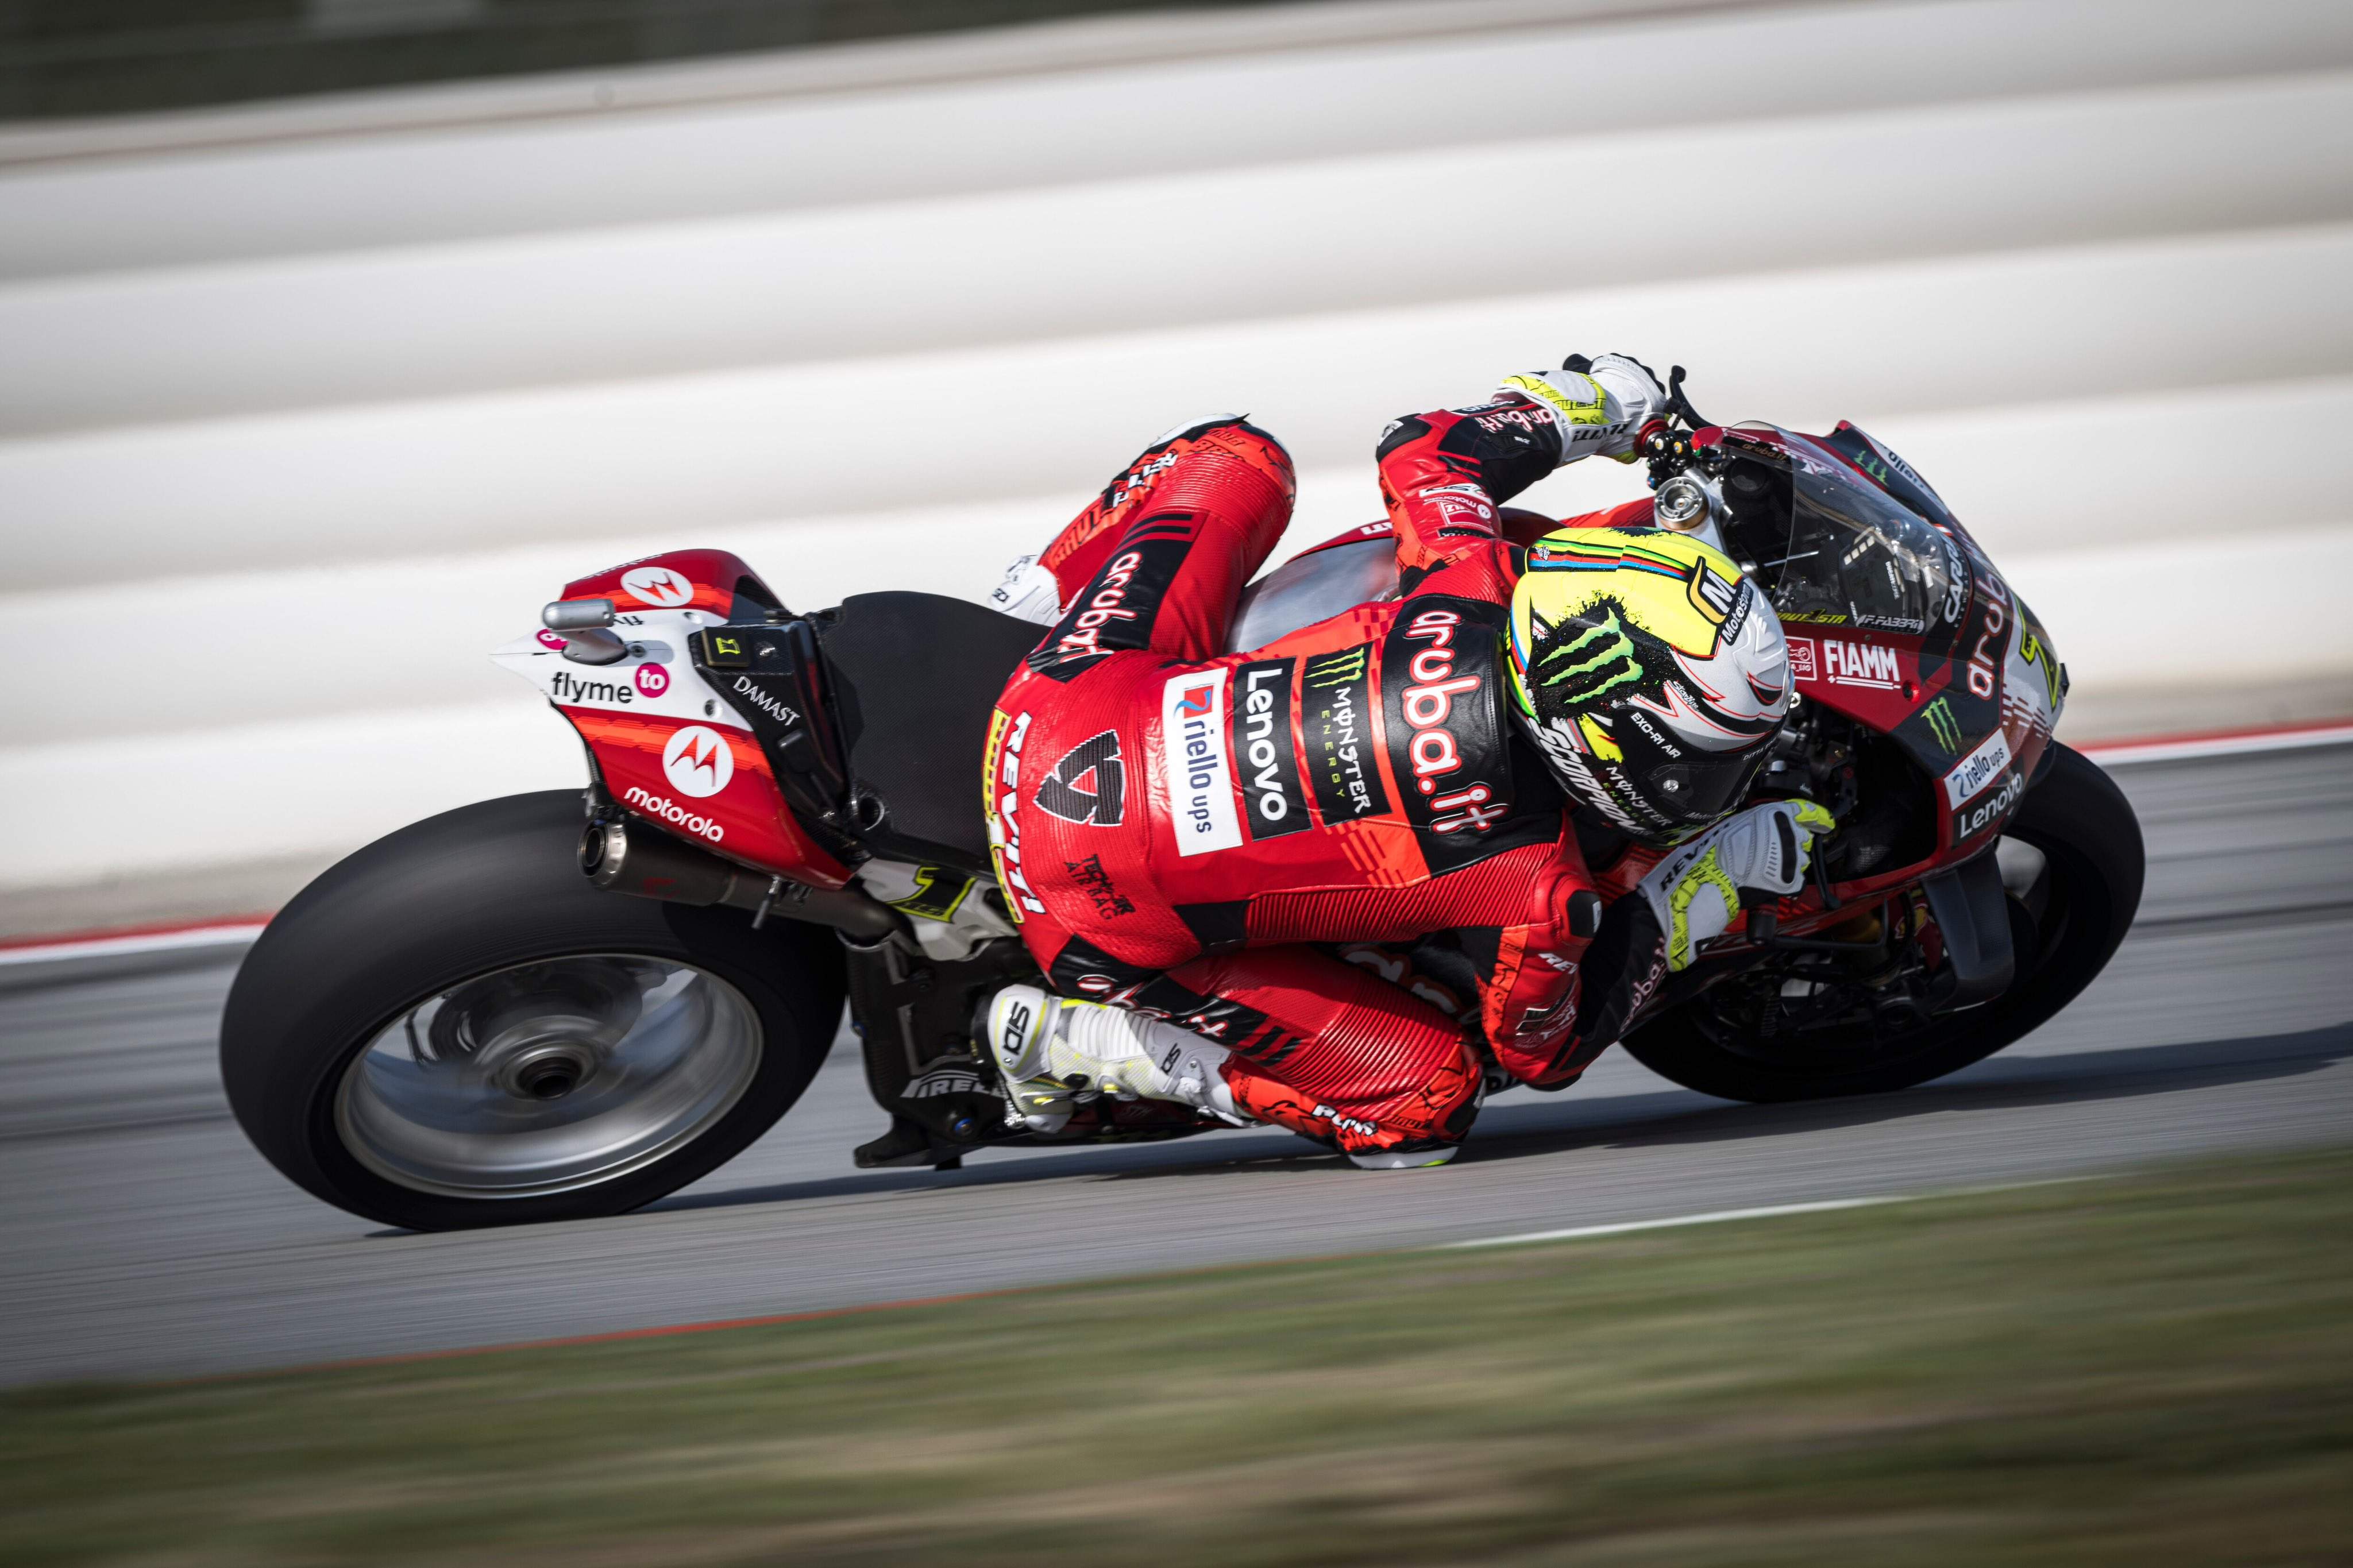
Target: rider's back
{"x": 1354, "y": 780}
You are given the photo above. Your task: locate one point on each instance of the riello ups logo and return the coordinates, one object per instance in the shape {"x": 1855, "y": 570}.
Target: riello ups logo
{"x": 1197, "y": 761}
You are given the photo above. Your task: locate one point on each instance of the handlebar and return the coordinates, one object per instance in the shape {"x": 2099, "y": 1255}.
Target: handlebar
{"x": 1677, "y": 404}
{"x": 1666, "y": 448}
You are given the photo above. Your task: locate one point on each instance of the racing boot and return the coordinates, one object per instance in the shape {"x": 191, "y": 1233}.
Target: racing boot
{"x": 1424, "y": 1127}
{"x": 1053, "y": 1050}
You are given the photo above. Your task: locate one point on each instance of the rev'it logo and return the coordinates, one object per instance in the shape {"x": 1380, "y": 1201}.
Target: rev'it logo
{"x": 658, "y": 586}
{"x": 1088, "y": 785}
{"x": 697, "y": 762}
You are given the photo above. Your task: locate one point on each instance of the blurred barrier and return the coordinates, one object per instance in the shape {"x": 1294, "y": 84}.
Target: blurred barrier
{"x": 71, "y": 57}
{"x": 297, "y": 424}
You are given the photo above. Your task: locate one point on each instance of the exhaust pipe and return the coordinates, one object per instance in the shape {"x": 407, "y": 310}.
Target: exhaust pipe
{"x": 628, "y": 856}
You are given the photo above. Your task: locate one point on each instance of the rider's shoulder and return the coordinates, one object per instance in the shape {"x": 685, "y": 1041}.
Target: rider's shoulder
{"x": 1484, "y": 572}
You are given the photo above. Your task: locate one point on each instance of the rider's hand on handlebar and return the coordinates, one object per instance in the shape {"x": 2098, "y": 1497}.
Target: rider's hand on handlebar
{"x": 1696, "y": 891}
{"x": 1635, "y": 397}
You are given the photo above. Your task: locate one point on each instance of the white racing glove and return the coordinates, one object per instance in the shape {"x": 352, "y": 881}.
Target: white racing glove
{"x": 1601, "y": 404}
{"x": 1696, "y": 891}
{"x": 1640, "y": 395}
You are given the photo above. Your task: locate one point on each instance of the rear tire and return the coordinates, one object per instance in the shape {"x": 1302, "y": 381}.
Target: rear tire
{"x": 466, "y": 895}
{"x": 2084, "y": 826}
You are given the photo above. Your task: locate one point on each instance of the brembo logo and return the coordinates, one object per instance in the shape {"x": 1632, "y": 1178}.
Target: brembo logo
{"x": 697, "y": 762}
{"x": 658, "y": 586}
{"x": 670, "y": 811}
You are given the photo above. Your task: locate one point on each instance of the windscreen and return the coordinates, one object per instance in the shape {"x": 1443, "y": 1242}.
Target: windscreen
{"x": 1847, "y": 552}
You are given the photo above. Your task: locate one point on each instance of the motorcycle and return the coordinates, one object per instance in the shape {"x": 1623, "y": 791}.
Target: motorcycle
{"x": 572, "y": 1002}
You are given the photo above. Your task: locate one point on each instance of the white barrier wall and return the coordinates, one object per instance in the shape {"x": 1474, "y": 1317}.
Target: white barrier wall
{"x": 299, "y": 418}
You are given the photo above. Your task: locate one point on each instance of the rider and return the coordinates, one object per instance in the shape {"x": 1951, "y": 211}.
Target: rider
{"x": 1516, "y": 774}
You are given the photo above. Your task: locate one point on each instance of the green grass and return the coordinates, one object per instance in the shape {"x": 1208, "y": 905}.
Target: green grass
{"x": 2151, "y": 1370}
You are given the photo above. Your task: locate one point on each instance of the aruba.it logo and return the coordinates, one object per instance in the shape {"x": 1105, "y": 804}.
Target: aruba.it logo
{"x": 697, "y": 762}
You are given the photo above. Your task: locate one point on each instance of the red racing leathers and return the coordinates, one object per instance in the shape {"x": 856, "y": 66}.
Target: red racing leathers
{"x": 1197, "y": 835}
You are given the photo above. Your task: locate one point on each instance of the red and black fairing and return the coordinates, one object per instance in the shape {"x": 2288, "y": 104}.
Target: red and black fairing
{"x": 736, "y": 674}
{"x": 1931, "y": 676}
{"x": 1930, "y": 673}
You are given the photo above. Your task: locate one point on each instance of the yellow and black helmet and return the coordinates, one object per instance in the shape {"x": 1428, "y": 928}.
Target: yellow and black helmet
{"x": 1652, "y": 674}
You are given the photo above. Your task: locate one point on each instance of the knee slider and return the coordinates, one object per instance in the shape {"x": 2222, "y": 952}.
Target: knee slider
{"x": 1234, "y": 435}
{"x": 1256, "y": 447}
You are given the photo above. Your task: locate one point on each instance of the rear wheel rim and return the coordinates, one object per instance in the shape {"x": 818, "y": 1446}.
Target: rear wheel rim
{"x": 548, "y": 1077}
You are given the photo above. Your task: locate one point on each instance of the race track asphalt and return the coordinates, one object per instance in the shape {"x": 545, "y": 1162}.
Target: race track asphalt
{"x": 142, "y": 1237}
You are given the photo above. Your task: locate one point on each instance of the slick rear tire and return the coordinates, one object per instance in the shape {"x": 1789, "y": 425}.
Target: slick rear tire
{"x": 2084, "y": 827}
{"x": 467, "y": 895}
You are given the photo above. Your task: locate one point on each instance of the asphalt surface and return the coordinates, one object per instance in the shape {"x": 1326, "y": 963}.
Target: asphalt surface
{"x": 140, "y": 1235}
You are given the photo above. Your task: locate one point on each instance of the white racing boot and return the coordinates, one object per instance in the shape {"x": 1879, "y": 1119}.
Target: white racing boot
{"x": 1052, "y": 1051}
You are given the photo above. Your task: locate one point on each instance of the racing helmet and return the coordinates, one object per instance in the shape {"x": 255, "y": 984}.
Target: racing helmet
{"x": 1652, "y": 674}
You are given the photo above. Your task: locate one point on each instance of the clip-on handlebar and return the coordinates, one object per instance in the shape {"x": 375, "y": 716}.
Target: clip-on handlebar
{"x": 1667, "y": 448}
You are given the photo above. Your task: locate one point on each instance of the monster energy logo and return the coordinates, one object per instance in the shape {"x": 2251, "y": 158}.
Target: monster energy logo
{"x": 1600, "y": 660}
{"x": 1339, "y": 669}
{"x": 1939, "y": 715}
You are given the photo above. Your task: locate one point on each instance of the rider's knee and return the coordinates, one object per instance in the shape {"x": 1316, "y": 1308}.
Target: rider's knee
{"x": 1234, "y": 436}
{"x": 1263, "y": 452}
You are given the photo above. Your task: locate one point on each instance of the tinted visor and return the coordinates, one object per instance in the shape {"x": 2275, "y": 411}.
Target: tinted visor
{"x": 1699, "y": 787}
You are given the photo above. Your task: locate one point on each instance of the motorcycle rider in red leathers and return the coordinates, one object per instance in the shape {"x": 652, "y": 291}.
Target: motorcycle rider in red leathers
{"x": 1521, "y": 767}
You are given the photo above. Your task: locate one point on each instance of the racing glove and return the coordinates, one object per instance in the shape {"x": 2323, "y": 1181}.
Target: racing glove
{"x": 1601, "y": 404}
{"x": 1695, "y": 891}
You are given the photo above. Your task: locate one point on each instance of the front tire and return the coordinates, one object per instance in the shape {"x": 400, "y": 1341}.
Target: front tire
{"x": 453, "y": 1029}
{"x": 2083, "y": 826}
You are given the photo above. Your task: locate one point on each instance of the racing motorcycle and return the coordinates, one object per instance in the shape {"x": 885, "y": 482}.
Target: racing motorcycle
{"x": 571, "y": 1003}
